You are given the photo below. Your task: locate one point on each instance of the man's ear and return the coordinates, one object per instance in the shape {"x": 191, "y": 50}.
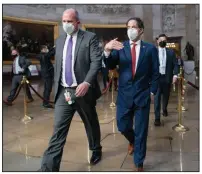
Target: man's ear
{"x": 141, "y": 32}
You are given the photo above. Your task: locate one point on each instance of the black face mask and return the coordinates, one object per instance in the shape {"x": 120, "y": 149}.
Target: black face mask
{"x": 14, "y": 56}
{"x": 162, "y": 44}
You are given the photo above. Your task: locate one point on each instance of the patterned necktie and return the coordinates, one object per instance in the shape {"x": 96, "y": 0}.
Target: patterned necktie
{"x": 68, "y": 63}
{"x": 133, "y": 53}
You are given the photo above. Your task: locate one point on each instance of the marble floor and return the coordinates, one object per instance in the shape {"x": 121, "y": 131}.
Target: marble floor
{"x": 167, "y": 150}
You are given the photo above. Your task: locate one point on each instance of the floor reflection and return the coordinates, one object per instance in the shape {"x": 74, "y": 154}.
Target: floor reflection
{"x": 167, "y": 149}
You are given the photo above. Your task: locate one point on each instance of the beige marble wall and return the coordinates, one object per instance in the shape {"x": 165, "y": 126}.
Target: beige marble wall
{"x": 185, "y": 19}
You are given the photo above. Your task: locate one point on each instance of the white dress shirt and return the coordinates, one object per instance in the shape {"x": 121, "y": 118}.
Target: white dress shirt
{"x": 137, "y": 49}
{"x": 103, "y": 64}
{"x": 74, "y": 39}
{"x": 162, "y": 61}
{"x": 16, "y": 67}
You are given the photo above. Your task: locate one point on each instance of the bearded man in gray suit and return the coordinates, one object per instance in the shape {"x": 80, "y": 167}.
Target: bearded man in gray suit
{"x": 77, "y": 63}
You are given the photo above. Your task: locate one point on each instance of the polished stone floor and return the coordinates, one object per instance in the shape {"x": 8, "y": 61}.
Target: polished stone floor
{"x": 167, "y": 150}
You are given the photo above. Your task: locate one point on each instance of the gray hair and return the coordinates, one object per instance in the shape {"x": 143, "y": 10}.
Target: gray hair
{"x": 75, "y": 11}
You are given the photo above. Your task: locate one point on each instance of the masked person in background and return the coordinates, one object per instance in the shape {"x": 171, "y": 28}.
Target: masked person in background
{"x": 138, "y": 83}
{"x": 104, "y": 69}
{"x": 180, "y": 62}
{"x": 167, "y": 65}
{"x": 77, "y": 63}
{"x": 19, "y": 68}
{"x": 47, "y": 73}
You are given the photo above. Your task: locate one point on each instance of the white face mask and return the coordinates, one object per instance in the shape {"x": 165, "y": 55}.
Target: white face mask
{"x": 68, "y": 28}
{"x": 132, "y": 33}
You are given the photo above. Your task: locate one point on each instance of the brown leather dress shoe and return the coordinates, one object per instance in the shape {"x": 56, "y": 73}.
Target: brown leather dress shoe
{"x": 130, "y": 149}
{"x": 138, "y": 169}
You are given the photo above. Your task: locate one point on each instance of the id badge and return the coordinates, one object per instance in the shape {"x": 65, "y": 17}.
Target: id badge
{"x": 68, "y": 97}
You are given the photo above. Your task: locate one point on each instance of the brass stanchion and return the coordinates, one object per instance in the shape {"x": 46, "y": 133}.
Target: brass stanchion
{"x": 183, "y": 87}
{"x": 183, "y": 93}
{"x": 26, "y": 118}
{"x": 112, "y": 104}
{"x": 179, "y": 127}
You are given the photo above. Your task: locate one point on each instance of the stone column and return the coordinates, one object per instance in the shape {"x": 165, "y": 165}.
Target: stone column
{"x": 148, "y": 23}
{"x": 197, "y": 32}
{"x": 157, "y": 20}
{"x": 191, "y": 34}
{"x": 138, "y": 9}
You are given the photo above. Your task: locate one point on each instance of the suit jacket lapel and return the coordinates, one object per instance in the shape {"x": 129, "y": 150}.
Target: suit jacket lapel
{"x": 141, "y": 55}
{"x": 19, "y": 62}
{"x": 78, "y": 42}
{"x": 167, "y": 57}
{"x": 127, "y": 50}
{"x": 60, "y": 50}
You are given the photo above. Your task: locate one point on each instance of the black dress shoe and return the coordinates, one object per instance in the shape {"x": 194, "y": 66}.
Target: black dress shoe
{"x": 46, "y": 169}
{"x": 30, "y": 100}
{"x": 43, "y": 170}
{"x": 48, "y": 106}
{"x": 157, "y": 122}
{"x": 96, "y": 157}
{"x": 165, "y": 113}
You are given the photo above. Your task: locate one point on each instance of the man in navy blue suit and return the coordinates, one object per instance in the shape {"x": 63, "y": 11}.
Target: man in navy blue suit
{"x": 138, "y": 83}
{"x": 168, "y": 69}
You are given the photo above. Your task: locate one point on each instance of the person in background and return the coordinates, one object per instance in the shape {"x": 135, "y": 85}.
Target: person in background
{"x": 167, "y": 65}
{"x": 115, "y": 79}
{"x": 19, "y": 68}
{"x": 47, "y": 73}
{"x": 180, "y": 62}
{"x": 105, "y": 73}
{"x": 104, "y": 69}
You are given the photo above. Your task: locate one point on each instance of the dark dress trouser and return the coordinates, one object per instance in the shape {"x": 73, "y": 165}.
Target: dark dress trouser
{"x": 47, "y": 77}
{"x": 48, "y": 83}
{"x": 105, "y": 76}
{"x": 163, "y": 91}
{"x": 16, "y": 81}
{"x": 63, "y": 117}
{"x": 138, "y": 118}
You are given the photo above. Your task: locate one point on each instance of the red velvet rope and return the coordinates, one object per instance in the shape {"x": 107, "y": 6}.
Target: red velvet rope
{"x": 20, "y": 87}
{"x": 39, "y": 94}
{"x": 107, "y": 88}
{"x": 194, "y": 86}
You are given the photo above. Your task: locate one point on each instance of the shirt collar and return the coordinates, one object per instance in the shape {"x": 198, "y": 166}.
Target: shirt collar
{"x": 16, "y": 58}
{"x": 160, "y": 48}
{"x": 137, "y": 42}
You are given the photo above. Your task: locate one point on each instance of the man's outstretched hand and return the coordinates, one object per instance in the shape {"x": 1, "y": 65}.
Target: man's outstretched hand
{"x": 113, "y": 45}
